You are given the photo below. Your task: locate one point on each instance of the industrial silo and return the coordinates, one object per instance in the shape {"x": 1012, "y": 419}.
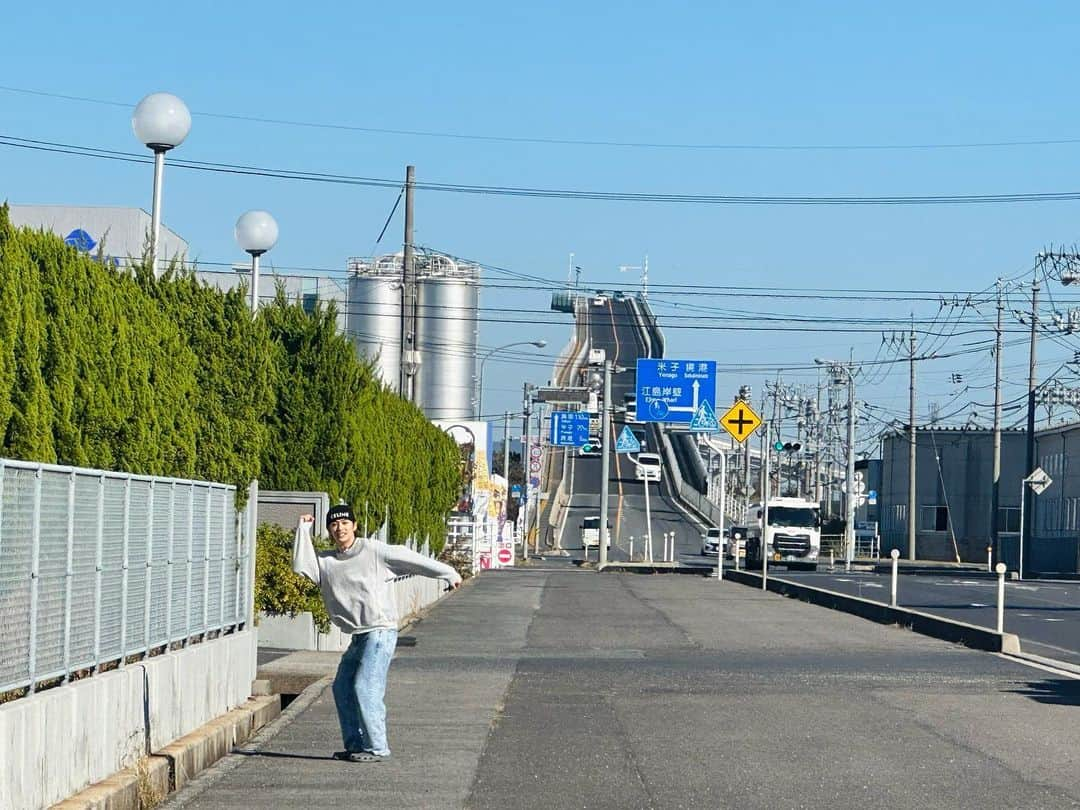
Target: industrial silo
{"x": 447, "y": 310}
{"x": 373, "y": 321}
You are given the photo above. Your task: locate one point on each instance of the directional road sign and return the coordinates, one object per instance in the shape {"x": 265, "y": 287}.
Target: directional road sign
{"x": 627, "y": 442}
{"x": 740, "y": 421}
{"x": 674, "y": 390}
{"x": 569, "y": 428}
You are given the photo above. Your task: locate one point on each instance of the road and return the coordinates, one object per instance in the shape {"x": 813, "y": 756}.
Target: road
{"x": 1046, "y": 615}
{"x": 541, "y": 688}
{"x": 612, "y": 328}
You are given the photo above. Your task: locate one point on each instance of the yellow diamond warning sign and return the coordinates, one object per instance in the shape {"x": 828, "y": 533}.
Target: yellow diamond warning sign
{"x": 740, "y": 421}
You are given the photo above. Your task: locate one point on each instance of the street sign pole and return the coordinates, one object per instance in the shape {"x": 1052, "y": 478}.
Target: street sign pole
{"x": 720, "y": 547}
{"x": 765, "y": 515}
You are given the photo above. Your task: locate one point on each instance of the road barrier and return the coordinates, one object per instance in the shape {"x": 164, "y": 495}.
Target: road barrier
{"x": 970, "y": 635}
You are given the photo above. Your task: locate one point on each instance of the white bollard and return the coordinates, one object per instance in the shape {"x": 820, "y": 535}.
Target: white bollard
{"x": 895, "y": 554}
{"x": 1000, "y": 568}
{"x": 631, "y": 548}
{"x": 990, "y": 559}
{"x": 671, "y": 546}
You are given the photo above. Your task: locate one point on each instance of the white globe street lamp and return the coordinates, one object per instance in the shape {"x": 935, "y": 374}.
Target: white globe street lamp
{"x": 161, "y": 121}
{"x": 256, "y": 232}
{"x": 480, "y": 395}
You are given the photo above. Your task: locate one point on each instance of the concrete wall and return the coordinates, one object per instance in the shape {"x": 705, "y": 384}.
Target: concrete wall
{"x": 298, "y": 632}
{"x": 57, "y": 742}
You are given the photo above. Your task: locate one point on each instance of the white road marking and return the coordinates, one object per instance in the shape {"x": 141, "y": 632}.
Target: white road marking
{"x": 1045, "y": 668}
{"x": 1053, "y": 620}
{"x": 978, "y": 604}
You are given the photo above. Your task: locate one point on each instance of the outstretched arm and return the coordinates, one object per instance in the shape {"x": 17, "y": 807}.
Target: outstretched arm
{"x": 402, "y": 560}
{"x": 304, "y": 560}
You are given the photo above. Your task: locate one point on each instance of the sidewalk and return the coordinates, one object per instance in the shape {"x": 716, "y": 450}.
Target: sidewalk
{"x": 566, "y": 688}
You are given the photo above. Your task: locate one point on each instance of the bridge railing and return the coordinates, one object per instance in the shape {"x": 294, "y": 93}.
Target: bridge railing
{"x": 99, "y": 567}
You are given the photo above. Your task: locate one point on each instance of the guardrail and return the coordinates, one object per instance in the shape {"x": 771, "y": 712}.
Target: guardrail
{"x": 97, "y": 567}
{"x": 574, "y": 354}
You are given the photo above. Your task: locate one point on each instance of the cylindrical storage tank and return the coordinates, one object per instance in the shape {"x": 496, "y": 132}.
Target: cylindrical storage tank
{"x": 447, "y": 311}
{"x": 373, "y": 320}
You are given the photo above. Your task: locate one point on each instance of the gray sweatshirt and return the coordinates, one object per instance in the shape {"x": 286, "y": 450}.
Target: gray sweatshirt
{"x": 355, "y": 583}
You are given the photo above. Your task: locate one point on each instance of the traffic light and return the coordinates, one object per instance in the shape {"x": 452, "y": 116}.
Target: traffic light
{"x": 778, "y": 446}
{"x": 787, "y": 447}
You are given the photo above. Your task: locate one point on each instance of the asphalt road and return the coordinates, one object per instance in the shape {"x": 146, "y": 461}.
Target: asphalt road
{"x": 547, "y": 689}
{"x": 1046, "y": 615}
{"x": 611, "y": 328}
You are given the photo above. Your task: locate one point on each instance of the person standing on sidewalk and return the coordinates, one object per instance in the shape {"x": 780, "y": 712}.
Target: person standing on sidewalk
{"x": 354, "y": 579}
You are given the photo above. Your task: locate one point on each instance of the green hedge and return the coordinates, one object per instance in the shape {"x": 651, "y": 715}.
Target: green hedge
{"x": 279, "y": 591}
{"x": 167, "y": 376}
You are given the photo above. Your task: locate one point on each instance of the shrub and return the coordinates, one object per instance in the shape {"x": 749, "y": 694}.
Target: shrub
{"x": 278, "y": 590}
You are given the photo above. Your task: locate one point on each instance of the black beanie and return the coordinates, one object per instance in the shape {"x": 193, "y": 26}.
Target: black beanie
{"x": 342, "y": 510}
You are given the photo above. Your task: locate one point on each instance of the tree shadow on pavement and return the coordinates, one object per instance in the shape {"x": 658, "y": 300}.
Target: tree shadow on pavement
{"x": 1053, "y": 691}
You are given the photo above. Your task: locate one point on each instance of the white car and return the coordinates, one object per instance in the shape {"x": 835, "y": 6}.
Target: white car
{"x": 647, "y": 467}
{"x": 713, "y": 542}
{"x": 597, "y": 357}
{"x": 600, "y": 300}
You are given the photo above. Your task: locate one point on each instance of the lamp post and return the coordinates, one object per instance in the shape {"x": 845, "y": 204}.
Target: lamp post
{"x": 480, "y": 394}
{"x": 161, "y": 121}
{"x": 256, "y": 232}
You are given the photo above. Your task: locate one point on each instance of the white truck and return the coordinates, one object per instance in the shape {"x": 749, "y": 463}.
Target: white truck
{"x": 590, "y": 532}
{"x": 792, "y": 536}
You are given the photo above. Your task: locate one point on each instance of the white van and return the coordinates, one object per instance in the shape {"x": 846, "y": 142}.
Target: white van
{"x": 648, "y": 467}
{"x": 590, "y": 532}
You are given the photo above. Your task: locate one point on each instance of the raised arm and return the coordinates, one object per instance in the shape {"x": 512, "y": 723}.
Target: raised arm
{"x": 304, "y": 560}
{"x": 402, "y": 560}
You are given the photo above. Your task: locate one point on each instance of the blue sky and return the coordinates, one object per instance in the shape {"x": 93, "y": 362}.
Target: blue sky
{"x": 772, "y": 75}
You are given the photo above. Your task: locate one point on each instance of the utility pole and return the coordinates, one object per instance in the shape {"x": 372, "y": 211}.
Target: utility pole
{"x": 849, "y": 500}
{"x": 526, "y": 458}
{"x": 410, "y": 357}
{"x": 1028, "y": 496}
{"x": 506, "y": 449}
{"x": 995, "y": 498}
{"x": 605, "y": 467}
{"x": 536, "y": 508}
{"x": 911, "y": 451}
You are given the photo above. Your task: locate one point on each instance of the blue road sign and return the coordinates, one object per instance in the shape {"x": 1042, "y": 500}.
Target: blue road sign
{"x": 871, "y": 497}
{"x": 515, "y": 490}
{"x": 569, "y": 428}
{"x": 674, "y": 390}
{"x": 704, "y": 420}
{"x": 627, "y": 442}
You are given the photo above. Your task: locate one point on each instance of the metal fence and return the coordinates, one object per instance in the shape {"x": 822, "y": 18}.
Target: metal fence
{"x": 97, "y": 567}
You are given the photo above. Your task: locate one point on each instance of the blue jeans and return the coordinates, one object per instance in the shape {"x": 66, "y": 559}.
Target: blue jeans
{"x": 359, "y": 688}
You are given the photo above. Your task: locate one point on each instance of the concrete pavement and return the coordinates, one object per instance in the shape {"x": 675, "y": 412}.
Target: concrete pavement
{"x": 553, "y": 688}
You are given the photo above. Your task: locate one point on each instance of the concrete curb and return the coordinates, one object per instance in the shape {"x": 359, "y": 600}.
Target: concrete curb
{"x": 969, "y": 635}
{"x": 211, "y": 775}
{"x": 163, "y": 772}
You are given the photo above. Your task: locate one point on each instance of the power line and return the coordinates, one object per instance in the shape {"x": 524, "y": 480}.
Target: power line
{"x": 546, "y": 193}
{"x": 562, "y": 141}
